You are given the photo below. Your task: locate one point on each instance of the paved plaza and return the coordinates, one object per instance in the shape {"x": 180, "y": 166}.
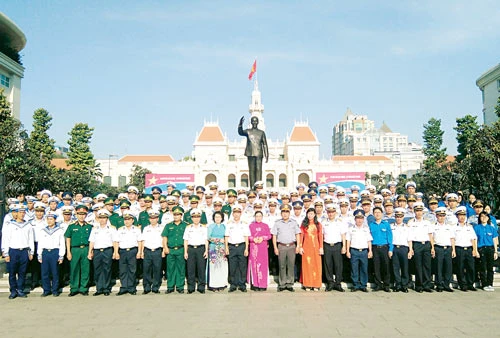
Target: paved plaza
{"x": 263, "y": 314}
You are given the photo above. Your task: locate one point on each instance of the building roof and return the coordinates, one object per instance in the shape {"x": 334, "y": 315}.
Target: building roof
{"x": 60, "y": 163}
{"x": 301, "y": 132}
{"x": 11, "y": 34}
{"x": 489, "y": 76}
{"x": 146, "y": 158}
{"x": 385, "y": 128}
{"x": 211, "y": 132}
{"x": 352, "y": 158}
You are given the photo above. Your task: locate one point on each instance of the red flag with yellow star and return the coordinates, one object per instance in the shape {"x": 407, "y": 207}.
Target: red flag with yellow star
{"x": 253, "y": 70}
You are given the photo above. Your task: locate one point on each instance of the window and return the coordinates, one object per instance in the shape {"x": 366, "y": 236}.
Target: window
{"x": 282, "y": 157}
{"x": 232, "y": 158}
{"x": 4, "y": 80}
{"x": 231, "y": 181}
{"x": 498, "y": 85}
{"x": 270, "y": 180}
{"x": 244, "y": 181}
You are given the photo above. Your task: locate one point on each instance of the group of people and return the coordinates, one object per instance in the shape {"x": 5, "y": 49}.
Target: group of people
{"x": 217, "y": 239}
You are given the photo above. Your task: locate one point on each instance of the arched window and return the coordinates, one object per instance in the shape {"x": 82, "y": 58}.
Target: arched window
{"x": 282, "y": 181}
{"x": 304, "y": 178}
{"x": 231, "y": 181}
{"x": 210, "y": 178}
{"x": 244, "y": 181}
{"x": 269, "y": 181}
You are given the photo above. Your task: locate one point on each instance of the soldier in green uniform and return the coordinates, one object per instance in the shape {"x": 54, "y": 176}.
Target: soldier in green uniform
{"x": 194, "y": 201}
{"x": 173, "y": 247}
{"x": 144, "y": 215}
{"x": 231, "y": 200}
{"x": 116, "y": 219}
{"x": 77, "y": 245}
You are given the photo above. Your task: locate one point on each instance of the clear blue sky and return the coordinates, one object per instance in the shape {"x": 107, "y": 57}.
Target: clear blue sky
{"x": 146, "y": 74}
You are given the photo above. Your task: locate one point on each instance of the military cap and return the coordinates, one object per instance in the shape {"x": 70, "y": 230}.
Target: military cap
{"x": 319, "y": 202}
{"x": 478, "y": 203}
{"x": 101, "y": 197}
{"x": 103, "y": 213}
{"x": 364, "y": 193}
{"x": 175, "y": 193}
{"x": 385, "y": 192}
{"x": 313, "y": 185}
{"x": 452, "y": 197}
{"x": 358, "y": 213}
{"x": 31, "y": 199}
{"x": 53, "y": 199}
{"x": 163, "y": 198}
{"x": 221, "y": 191}
{"x": 306, "y": 197}
{"x": 399, "y": 211}
{"x": 236, "y": 207}
{"x": 366, "y": 201}
{"x": 51, "y": 214}
{"x": 401, "y": 197}
{"x": 190, "y": 186}
{"x": 274, "y": 192}
{"x": 185, "y": 192}
{"x": 39, "y": 206}
{"x": 392, "y": 184}
{"x": 285, "y": 207}
{"x": 251, "y": 194}
{"x": 177, "y": 210}
{"x": 122, "y": 196}
{"x": 213, "y": 185}
{"x": 133, "y": 189}
{"x": 209, "y": 194}
{"x": 285, "y": 195}
{"x": 294, "y": 193}
{"x": 127, "y": 214}
{"x": 171, "y": 199}
{"x": 330, "y": 207}
{"x": 109, "y": 200}
{"x": 200, "y": 188}
{"x": 87, "y": 200}
{"x": 461, "y": 210}
{"x": 258, "y": 185}
{"x": 81, "y": 207}
{"x": 124, "y": 204}
{"x": 231, "y": 193}
{"x": 67, "y": 209}
{"x": 20, "y": 207}
{"x": 418, "y": 206}
{"x": 148, "y": 197}
{"x": 410, "y": 184}
{"x": 353, "y": 198}
{"x": 298, "y": 205}
{"x": 242, "y": 198}
{"x": 13, "y": 207}
{"x": 371, "y": 188}
{"x": 153, "y": 213}
{"x": 411, "y": 198}
{"x": 272, "y": 201}
{"x": 241, "y": 190}
{"x": 97, "y": 206}
{"x": 156, "y": 189}
{"x": 67, "y": 195}
{"x": 258, "y": 203}
{"x": 388, "y": 203}
{"x": 419, "y": 195}
{"x": 355, "y": 187}
{"x": 300, "y": 185}
{"x": 45, "y": 192}
{"x": 171, "y": 184}
{"x": 332, "y": 187}
{"x": 218, "y": 201}
{"x": 441, "y": 211}
{"x": 378, "y": 199}
{"x": 194, "y": 198}
{"x": 340, "y": 191}
{"x": 262, "y": 193}
{"x": 328, "y": 199}
{"x": 343, "y": 201}
{"x": 433, "y": 200}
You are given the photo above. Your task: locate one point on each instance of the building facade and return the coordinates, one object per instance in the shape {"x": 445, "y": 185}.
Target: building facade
{"x": 489, "y": 84}
{"x": 293, "y": 160}
{"x": 12, "y": 41}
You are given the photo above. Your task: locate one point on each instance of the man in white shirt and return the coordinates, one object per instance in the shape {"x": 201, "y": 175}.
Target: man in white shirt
{"x": 334, "y": 237}
{"x": 237, "y": 232}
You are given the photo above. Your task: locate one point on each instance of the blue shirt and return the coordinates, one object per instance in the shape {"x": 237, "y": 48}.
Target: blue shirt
{"x": 485, "y": 234}
{"x": 381, "y": 233}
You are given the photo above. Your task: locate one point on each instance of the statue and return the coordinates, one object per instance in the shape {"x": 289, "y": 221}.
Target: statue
{"x": 255, "y": 150}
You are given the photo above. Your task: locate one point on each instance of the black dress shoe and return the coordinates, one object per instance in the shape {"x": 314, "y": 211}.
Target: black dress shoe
{"x": 290, "y": 289}
{"x": 145, "y": 292}
{"x": 13, "y": 295}
{"x": 190, "y": 292}
{"x": 398, "y": 289}
{"x": 71, "y": 294}
{"x": 387, "y": 289}
{"x": 156, "y": 291}
{"x": 201, "y": 291}
{"x": 405, "y": 290}
{"x": 133, "y": 293}
{"x": 428, "y": 290}
{"x": 471, "y": 288}
{"x": 419, "y": 290}
{"x": 439, "y": 290}
{"x": 86, "y": 293}
{"x": 121, "y": 293}
{"x": 377, "y": 288}
{"x": 340, "y": 289}
{"x": 169, "y": 291}
{"x": 106, "y": 293}
{"x": 354, "y": 290}
{"x": 45, "y": 294}
{"x": 243, "y": 289}
{"x": 97, "y": 294}
{"x": 364, "y": 289}
{"x": 232, "y": 289}
{"x": 448, "y": 289}
{"x": 280, "y": 288}
{"x": 56, "y": 294}
{"x": 180, "y": 291}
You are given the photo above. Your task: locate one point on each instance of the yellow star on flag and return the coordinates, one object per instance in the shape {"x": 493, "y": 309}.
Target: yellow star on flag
{"x": 152, "y": 180}
{"x": 322, "y": 179}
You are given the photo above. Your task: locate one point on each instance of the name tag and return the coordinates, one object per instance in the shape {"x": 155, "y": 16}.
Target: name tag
{"x": 384, "y": 230}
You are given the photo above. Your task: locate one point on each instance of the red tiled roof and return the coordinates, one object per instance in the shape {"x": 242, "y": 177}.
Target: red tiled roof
{"x": 302, "y": 134}
{"x": 146, "y": 158}
{"x": 60, "y": 163}
{"x": 210, "y": 134}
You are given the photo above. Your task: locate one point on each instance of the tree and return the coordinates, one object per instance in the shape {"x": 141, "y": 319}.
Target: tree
{"x": 467, "y": 129}
{"x": 497, "y": 108}
{"x": 80, "y": 157}
{"x": 433, "y": 141}
{"x": 39, "y": 141}
{"x": 138, "y": 177}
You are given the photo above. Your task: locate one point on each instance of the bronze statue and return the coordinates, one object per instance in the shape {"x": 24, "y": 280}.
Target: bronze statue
{"x": 255, "y": 150}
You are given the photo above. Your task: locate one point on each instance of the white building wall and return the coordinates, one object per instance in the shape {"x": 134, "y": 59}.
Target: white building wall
{"x": 14, "y": 72}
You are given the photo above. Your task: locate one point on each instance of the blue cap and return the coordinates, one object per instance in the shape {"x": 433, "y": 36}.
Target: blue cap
{"x": 359, "y": 213}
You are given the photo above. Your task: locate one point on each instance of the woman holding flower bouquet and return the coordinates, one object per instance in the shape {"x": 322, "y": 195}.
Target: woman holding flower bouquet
{"x": 217, "y": 260}
{"x": 258, "y": 267}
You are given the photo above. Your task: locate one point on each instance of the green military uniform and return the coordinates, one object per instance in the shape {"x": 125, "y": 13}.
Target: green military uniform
{"x": 143, "y": 219}
{"x": 226, "y": 209}
{"x": 116, "y": 220}
{"x": 187, "y": 217}
{"x": 79, "y": 265}
{"x": 176, "y": 265}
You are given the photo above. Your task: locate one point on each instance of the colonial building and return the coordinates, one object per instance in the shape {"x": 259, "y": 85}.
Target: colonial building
{"x": 292, "y": 160}
{"x": 12, "y": 41}
{"x": 489, "y": 84}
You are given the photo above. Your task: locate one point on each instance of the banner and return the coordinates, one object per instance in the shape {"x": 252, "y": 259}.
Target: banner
{"x": 161, "y": 180}
{"x": 344, "y": 179}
